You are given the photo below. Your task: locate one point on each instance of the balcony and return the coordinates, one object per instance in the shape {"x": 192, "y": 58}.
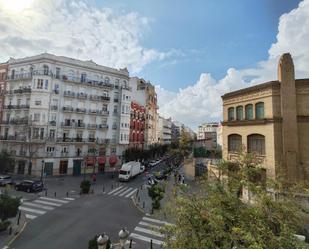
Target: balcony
{"x": 126, "y": 88}
{"x": 92, "y": 126}
{"x": 78, "y": 140}
{"x": 102, "y": 126}
{"x": 87, "y": 81}
{"x": 94, "y": 97}
{"x": 91, "y": 139}
{"x": 12, "y": 107}
{"x": 80, "y": 125}
{"x": 80, "y": 110}
{"x": 67, "y": 109}
{"x": 23, "y": 76}
{"x": 105, "y": 98}
{"x": 50, "y": 154}
{"x": 13, "y": 138}
{"x": 64, "y": 139}
{"x": 22, "y": 153}
{"x": 52, "y": 123}
{"x": 68, "y": 94}
{"x": 82, "y": 96}
{"x": 54, "y": 107}
{"x": 66, "y": 125}
{"x": 114, "y": 127}
{"x": 116, "y": 100}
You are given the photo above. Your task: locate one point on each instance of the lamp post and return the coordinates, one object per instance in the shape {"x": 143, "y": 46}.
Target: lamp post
{"x": 123, "y": 236}
{"x": 42, "y": 169}
{"x": 102, "y": 241}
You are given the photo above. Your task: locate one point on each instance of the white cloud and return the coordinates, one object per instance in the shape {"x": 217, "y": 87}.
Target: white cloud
{"x": 202, "y": 101}
{"x": 76, "y": 29}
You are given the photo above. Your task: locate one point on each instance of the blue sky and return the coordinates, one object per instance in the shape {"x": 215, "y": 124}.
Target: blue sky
{"x": 213, "y": 35}
{"x": 193, "y": 51}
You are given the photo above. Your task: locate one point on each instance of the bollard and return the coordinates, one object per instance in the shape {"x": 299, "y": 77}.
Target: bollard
{"x": 19, "y": 213}
{"x": 67, "y": 194}
{"x": 10, "y": 231}
{"x": 137, "y": 192}
{"x": 112, "y": 186}
{"x": 151, "y": 244}
{"x": 139, "y": 199}
{"x": 130, "y": 246}
{"x": 45, "y": 192}
{"x": 143, "y": 204}
{"x": 55, "y": 194}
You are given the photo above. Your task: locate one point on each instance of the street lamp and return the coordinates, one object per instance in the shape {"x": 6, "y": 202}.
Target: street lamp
{"x": 102, "y": 241}
{"x": 123, "y": 236}
{"x": 42, "y": 170}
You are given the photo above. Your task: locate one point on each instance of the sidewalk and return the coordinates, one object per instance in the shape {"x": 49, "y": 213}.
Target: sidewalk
{"x": 6, "y": 237}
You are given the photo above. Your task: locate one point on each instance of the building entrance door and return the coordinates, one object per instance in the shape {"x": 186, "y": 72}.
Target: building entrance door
{"x": 21, "y": 167}
{"x": 77, "y": 164}
{"x": 48, "y": 169}
{"x": 63, "y": 169}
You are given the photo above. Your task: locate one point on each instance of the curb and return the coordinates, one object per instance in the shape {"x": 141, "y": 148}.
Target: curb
{"x": 137, "y": 206}
{"x": 17, "y": 235}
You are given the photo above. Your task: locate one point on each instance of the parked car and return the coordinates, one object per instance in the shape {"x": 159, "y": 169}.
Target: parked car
{"x": 5, "y": 179}
{"x": 29, "y": 186}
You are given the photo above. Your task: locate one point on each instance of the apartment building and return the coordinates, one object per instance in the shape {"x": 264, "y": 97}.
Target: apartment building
{"x": 3, "y": 74}
{"x": 62, "y": 114}
{"x": 144, "y": 93}
{"x": 271, "y": 120}
{"x": 164, "y": 130}
{"x": 137, "y": 125}
{"x": 206, "y": 128}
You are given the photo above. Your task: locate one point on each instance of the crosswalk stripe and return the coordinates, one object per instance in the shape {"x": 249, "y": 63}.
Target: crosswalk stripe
{"x": 123, "y": 193}
{"x": 37, "y": 205}
{"x": 157, "y": 221}
{"x": 116, "y": 189}
{"x": 144, "y": 230}
{"x": 131, "y": 193}
{"x": 144, "y": 238}
{"x": 31, "y": 210}
{"x": 30, "y": 216}
{"x": 149, "y": 225}
{"x": 48, "y": 203}
{"x": 69, "y": 199}
{"x": 52, "y": 199}
{"x": 118, "y": 192}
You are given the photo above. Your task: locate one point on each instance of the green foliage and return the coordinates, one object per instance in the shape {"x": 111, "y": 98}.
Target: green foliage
{"x": 202, "y": 152}
{"x": 6, "y": 162}
{"x": 185, "y": 144}
{"x": 8, "y": 206}
{"x": 219, "y": 216}
{"x": 136, "y": 154}
{"x": 4, "y": 225}
{"x": 85, "y": 186}
{"x": 156, "y": 193}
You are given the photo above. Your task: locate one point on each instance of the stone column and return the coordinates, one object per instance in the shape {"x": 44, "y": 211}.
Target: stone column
{"x": 290, "y": 153}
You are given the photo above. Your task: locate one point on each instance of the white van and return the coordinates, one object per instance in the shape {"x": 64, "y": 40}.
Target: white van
{"x": 129, "y": 170}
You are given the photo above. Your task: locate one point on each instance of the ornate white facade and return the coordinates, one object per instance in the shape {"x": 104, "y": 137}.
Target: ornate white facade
{"x": 60, "y": 110}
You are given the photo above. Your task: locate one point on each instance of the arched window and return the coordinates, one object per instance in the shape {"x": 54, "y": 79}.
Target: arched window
{"x": 234, "y": 143}
{"x": 45, "y": 70}
{"x": 259, "y": 110}
{"x": 239, "y": 113}
{"x": 106, "y": 80}
{"x": 256, "y": 144}
{"x": 231, "y": 115}
{"x": 249, "y": 112}
{"x": 83, "y": 77}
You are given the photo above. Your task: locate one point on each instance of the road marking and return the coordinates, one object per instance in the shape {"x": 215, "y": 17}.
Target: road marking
{"x": 116, "y": 189}
{"x": 52, "y": 199}
{"x": 48, "y": 203}
{"x": 118, "y": 192}
{"x": 144, "y": 238}
{"x": 6, "y": 247}
{"x": 123, "y": 193}
{"x": 31, "y": 210}
{"x": 30, "y": 216}
{"x": 131, "y": 193}
{"x": 69, "y": 199}
{"x": 149, "y": 225}
{"x": 144, "y": 230}
{"x": 37, "y": 205}
{"x": 157, "y": 221}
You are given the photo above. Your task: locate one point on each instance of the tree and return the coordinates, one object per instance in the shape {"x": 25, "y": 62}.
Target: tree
{"x": 185, "y": 143}
{"x": 6, "y": 162}
{"x": 8, "y": 209}
{"x": 218, "y": 216}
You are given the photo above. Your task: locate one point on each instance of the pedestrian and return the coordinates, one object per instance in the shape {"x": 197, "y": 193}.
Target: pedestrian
{"x": 179, "y": 178}
{"x": 183, "y": 179}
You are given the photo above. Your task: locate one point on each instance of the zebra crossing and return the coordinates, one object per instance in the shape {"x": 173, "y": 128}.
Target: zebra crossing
{"x": 42, "y": 205}
{"x": 123, "y": 191}
{"x": 148, "y": 229}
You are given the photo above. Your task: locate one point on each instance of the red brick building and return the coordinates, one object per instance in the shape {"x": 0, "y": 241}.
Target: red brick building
{"x": 137, "y": 126}
{"x": 3, "y": 73}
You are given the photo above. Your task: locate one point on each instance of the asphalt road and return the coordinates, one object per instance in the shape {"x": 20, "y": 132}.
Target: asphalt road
{"x": 73, "y": 223}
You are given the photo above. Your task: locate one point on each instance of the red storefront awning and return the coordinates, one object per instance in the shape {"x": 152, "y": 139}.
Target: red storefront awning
{"x": 90, "y": 160}
{"x": 112, "y": 160}
{"x": 101, "y": 160}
